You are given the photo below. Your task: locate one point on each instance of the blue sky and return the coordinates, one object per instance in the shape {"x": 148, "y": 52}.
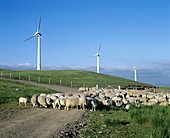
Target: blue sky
{"x": 132, "y": 32}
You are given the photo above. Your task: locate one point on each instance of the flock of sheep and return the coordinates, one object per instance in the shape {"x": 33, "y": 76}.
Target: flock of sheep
{"x": 95, "y": 98}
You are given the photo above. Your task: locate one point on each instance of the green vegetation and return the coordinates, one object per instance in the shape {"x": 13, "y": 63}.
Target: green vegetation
{"x": 77, "y": 78}
{"x": 138, "y": 122}
{"x": 9, "y": 95}
{"x": 141, "y": 122}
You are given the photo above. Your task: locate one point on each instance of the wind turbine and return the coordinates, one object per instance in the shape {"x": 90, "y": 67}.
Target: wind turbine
{"x": 135, "y": 72}
{"x": 38, "y": 34}
{"x": 98, "y": 59}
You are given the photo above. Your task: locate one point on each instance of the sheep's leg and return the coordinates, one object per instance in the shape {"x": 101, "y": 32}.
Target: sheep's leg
{"x": 59, "y": 107}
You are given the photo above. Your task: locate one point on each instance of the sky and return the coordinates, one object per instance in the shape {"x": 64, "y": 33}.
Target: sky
{"x": 132, "y": 32}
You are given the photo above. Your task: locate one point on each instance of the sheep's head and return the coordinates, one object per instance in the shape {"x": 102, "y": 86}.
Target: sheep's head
{"x": 118, "y": 103}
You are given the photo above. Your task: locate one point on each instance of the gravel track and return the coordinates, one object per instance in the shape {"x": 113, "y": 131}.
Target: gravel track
{"x": 52, "y": 87}
{"x": 36, "y": 122}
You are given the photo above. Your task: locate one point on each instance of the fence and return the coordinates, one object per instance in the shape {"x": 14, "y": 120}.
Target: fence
{"x": 46, "y": 80}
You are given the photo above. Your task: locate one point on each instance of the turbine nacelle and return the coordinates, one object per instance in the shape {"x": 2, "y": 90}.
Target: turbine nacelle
{"x": 97, "y": 55}
{"x": 38, "y": 34}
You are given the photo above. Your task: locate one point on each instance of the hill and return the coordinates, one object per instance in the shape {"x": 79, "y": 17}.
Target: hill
{"x": 73, "y": 78}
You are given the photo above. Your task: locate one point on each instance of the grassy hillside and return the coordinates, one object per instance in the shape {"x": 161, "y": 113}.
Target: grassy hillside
{"x": 68, "y": 77}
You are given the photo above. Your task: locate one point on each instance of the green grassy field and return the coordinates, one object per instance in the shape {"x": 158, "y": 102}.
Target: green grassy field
{"x": 142, "y": 122}
{"x": 77, "y": 78}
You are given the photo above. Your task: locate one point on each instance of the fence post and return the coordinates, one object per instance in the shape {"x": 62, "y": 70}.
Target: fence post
{"x": 1, "y": 74}
{"x": 60, "y": 82}
{"x": 10, "y": 75}
{"x": 49, "y": 80}
{"x": 19, "y": 76}
{"x": 29, "y": 78}
{"x": 39, "y": 79}
{"x": 71, "y": 84}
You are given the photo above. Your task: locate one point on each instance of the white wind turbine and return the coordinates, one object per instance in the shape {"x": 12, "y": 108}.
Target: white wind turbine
{"x": 135, "y": 72}
{"x": 38, "y": 34}
{"x": 98, "y": 59}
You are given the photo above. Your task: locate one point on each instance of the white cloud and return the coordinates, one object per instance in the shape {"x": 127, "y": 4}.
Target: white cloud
{"x": 25, "y": 64}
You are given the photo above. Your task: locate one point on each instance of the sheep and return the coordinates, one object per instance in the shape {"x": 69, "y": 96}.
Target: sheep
{"x": 142, "y": 99}
{"x": 49, "y": 101}
{"x": 108, "y": 102}
{"x": 34, "y": 100}
{"x": 154, "y": 101}
{"x": 161, "y": 99}
{"x": 58, "y": 94}
{"x": 127, "y": 107}
{"x": 42, "y": 101}
{"x": 43, "y": 94}
{"x": 150, "y": 95}
{"x": 94, "y": 105}
{"x": 56, "y": 102}
{"x": 82, "y": 89}
{"x": 148, "y": 103}
{"x": 163, "y": 104}
{"x": 118, "y": 101}
{"x": 23, "y": 100}
{"x": 169, "y": 101}
{"x": 125, "y": 101}
{"x": 82, "y": 101}
{"x": 62, "y": 102}
{"x": 71, "y": 102}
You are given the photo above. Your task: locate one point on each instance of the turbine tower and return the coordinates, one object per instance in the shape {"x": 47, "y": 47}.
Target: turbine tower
{"x": 98, "y": 59}
{"x": 135, "y": 73}
{"x": 38, "y": 34}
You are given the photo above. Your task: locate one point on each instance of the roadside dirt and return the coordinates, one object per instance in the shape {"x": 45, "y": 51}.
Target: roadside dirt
{"x": 42, "y": 123}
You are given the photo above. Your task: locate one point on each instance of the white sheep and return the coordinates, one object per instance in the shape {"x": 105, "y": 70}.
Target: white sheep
{"x": 71, "y": 102}
{"x": 34, "y": 100}
{"x": 43, "y": 94}
{"x": 42, "y": 101}
{"x": 164, "y": 104}
{"x": 23, "y": 100}
{"x": 56, "y": 102}
{"x": 127, "y": 107}
{"x": 82, "y": 101}
{"x": 62, "y": 102}
{"x": 49, "y": 101}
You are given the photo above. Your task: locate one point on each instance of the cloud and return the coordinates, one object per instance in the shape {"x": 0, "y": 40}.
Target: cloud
{"x": 25, "y": 64}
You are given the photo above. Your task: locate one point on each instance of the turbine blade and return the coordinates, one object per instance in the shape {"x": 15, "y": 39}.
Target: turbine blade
{"x": 99, "y": 48}
{"x": 30, "y": 37}
{"x": 41, "y": 37}
{"x": 38, "y": 29}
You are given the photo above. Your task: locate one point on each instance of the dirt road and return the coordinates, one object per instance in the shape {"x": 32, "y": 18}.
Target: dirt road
{"x": 38, "y": 123}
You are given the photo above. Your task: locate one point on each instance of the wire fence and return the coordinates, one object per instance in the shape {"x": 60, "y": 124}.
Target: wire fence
{"x": 41, "y": 79}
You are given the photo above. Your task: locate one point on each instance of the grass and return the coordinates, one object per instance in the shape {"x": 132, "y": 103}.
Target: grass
{"x": 142, "y": 122}
{"x": 78, "y": 78}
